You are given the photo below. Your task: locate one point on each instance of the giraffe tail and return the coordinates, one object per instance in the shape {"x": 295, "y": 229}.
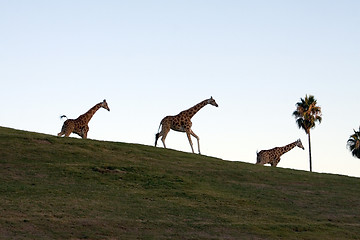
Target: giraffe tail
{"x": 156, "y": 138}
{"x": 157, "y": 135}
{"x": 257, "y": 157}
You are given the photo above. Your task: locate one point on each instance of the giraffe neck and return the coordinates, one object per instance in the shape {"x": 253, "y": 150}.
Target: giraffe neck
{"x": 89, "y": 114}
{"x": 287, "y": 148}
{"x": 192, "y": 111}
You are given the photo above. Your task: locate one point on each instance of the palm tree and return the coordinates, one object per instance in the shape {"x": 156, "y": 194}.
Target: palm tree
{"x": 306, "y": 115}
{"x": 354, "y": 143}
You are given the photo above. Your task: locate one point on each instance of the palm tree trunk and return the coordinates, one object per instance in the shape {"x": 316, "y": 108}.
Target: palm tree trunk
{"x": 310, "y": 152}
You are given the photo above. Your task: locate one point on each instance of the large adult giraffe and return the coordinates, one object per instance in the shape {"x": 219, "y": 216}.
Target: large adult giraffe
{"x": 80, "y": 125}
{"x": 182, "y": 123}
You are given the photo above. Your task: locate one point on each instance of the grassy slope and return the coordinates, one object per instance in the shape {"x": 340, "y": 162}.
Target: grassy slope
{"x": 60, "y": 188}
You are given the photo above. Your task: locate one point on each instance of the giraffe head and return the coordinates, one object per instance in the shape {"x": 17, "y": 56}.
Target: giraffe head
{"x": 212, "y": 102}
{"x": 104, "y": 105}
{"x": 299, "y": 144}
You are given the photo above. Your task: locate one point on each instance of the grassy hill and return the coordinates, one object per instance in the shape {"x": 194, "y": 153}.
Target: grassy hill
{"x": 67, "y": 188}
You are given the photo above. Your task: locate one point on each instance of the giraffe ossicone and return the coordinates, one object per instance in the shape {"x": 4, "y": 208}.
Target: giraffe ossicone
{"x": 80, "y": 126}
{"x": 272, "y": 156}
{"x": 182, "y": 123}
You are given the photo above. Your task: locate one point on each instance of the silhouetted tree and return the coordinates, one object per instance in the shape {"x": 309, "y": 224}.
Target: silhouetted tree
{"x": 307, "y": 114}
{"x": 354, "y": 143}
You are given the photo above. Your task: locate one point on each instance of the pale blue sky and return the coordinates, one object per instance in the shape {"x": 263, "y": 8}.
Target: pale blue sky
{"x": 150, "y": 59}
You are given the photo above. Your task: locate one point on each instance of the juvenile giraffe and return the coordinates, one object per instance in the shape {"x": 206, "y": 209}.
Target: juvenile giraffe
{"x": 80, "y": 125}
{"x": 272, "y": 156}
{"x": 182, "y": 123}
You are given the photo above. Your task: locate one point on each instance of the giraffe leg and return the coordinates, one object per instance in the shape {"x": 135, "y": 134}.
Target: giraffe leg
{"x": 67, "y": 128}
{"x": 84, "y": 132}
{"x": 189, "y": 137}
{"x": 63, "y": 130}
{"x": 275, "y": 162}
{"x": 67, "y": 133}
{"x": 163, "y": 139}
{"x": 61, "y": 133}
{"x": 197, "y": 138}
{"x": 164, "y": 133}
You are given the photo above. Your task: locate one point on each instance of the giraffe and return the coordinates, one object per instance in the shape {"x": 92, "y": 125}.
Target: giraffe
{"x": 182, "y": 123}
{"x": 80, "y": 125}
{"x": 273, "y": 155}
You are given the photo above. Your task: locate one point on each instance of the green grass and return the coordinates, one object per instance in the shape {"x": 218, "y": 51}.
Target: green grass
{"x": 67, "y": 188}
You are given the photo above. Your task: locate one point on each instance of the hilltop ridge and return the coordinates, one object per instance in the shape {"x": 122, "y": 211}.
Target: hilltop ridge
{"x": 67, "y": 188}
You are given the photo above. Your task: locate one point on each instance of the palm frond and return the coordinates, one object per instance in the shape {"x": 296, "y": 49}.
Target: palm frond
{"x": 353, "y": 143}
{"x": 307, "y": 113}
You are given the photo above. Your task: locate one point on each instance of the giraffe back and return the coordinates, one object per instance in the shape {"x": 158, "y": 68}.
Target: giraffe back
{"x": 179, "y": 123}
